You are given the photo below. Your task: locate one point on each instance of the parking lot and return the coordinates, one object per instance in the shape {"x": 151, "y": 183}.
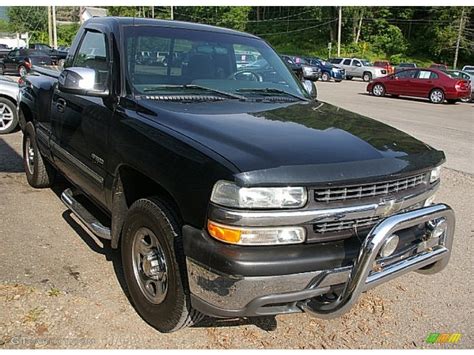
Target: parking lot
{"x": 62, "y": 287}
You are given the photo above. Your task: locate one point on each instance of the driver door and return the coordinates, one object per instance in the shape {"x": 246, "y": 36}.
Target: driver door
{"x": 80, "y": 123}
{"x": 356, "y": 66}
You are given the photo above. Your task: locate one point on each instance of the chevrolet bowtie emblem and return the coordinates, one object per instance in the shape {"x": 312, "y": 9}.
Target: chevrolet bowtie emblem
{"x": 387, "y": 207}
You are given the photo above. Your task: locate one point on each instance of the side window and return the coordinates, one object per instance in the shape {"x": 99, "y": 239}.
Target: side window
{"x": 93, "y": 54}
{"x": 406, "y": 74}
{"x": 424, "y": 74}
{"x": 347, "y": 62}
{"x": 356, "y": 63}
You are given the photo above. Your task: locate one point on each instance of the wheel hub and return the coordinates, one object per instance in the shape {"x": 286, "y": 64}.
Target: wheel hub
{"x": 6, "y": 116}
{"x": 149, "y": 266}
{"x": 152, "y": 266}
{"x": 30, "y": 156}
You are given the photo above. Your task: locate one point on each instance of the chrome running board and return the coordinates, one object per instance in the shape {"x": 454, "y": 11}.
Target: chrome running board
{"x": 84, "y": 215}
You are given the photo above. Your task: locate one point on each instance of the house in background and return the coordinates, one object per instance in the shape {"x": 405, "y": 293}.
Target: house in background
{"x": 89, "y": 12}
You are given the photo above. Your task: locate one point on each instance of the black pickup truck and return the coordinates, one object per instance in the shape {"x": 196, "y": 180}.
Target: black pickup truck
{"x": 230, "y": 192}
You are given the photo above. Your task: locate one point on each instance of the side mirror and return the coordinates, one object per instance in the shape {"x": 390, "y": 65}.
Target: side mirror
{"x": 81, "y": 81}
{"x": 310, "y": 87}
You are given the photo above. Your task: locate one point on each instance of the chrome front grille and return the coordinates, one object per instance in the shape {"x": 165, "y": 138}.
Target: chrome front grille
{"x": 354, "y": 192}
{"x": 355, "y": 224}
{"x": 338, "y": 226}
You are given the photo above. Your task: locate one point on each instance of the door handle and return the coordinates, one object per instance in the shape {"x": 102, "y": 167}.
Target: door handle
{"x": 61, "y": 105}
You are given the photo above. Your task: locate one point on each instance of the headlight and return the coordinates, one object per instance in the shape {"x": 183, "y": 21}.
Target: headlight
{"x": 307, "y": 70}
{"x": 256, "y": 236}
{"x": 228, "y": 194}
{"x": 435, "y": 174}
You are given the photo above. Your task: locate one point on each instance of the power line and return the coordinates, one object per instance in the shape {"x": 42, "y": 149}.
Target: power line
{"x": 299, "y": 29}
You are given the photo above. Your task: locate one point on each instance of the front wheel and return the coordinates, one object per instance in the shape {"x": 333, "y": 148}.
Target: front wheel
{"x": 8, "y": 116}
{"x": 437, "y": 96}
{"x": 39, "y": 172}
{"x": 154, "y": 266}
{"x": 378, "y": 90}
{"x": 325, "y": 77}
{"x": 367, "y": 77}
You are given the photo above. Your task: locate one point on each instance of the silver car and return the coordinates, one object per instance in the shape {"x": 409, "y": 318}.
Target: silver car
{"x": 360, "y": 68}
{"x": 8, "y": 97}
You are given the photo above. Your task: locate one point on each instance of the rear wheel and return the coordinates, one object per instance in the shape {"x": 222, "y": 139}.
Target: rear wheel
{"x": 436, "y": 96}
{"x": 367, "y": 76}
{"x": 39, "y": 172}
{"x": 154, "y": 266}
{"x": 325, "y": 77}
{"x": 378, "y": 90}
{"x": 8, "y": 116}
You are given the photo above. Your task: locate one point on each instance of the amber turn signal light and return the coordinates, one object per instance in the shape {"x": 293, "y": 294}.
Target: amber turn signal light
{"x": 223, "y": 233}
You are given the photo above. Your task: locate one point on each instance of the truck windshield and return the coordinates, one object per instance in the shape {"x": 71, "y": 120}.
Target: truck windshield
{"x": 168, "y": 60}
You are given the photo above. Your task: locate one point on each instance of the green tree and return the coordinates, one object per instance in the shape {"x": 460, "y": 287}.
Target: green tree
{"x": 391, "y": 41}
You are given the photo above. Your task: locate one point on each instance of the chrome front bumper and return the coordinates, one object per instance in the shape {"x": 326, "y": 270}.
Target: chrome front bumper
{"x": 222, "y": 295}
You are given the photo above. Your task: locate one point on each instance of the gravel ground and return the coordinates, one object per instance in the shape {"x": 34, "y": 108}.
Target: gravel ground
{"x": 60, "y": 287}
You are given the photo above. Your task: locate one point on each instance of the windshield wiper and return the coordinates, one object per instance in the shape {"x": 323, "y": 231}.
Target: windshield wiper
{"x": 194, "y": 86}
{"x": 271, "y": 91}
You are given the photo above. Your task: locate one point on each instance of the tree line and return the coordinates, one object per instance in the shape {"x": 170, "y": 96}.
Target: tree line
{"x": 420, "y": 34}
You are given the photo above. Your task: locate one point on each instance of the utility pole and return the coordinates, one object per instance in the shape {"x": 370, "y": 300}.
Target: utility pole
{"x": 50, "y": 29}
{"x": 339, "y": 32}
{"x": 55, "y": 33}
{"x": 458, "y": 41}
{"x": 172, "y": 13}
{"x": 152, "y": 12}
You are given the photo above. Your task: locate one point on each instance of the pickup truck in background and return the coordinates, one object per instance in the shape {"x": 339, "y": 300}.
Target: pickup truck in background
{"x": 230, "y": 192}
{"x": 56, "y": 55}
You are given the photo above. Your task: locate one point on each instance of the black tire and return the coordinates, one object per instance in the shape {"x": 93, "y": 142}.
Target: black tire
{"x": 378, "y": 90}
{"x": 174, "y": 311}
{"x": 338, "y": 80}
{"x": 348, "y": 77}
{"x": 436, "y": 96}
{"x": 466, "y": 99}
{"x": 22, "y": 71}
{"x": 325, "y": 77}
{"x": 39, "y": 172}
{"x": 8, "y": 116}
{"x": 367, "y": 76}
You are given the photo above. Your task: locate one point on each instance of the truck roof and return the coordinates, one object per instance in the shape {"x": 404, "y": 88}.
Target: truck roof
{"x": 114, "y": 22}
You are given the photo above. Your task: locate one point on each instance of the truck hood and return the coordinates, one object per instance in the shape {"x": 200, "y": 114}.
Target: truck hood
{"x": 291, "y": 137}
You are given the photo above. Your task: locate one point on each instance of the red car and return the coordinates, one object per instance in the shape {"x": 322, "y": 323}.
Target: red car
{"x": 384, "y": 64}
{"x": 434, "y": 84}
